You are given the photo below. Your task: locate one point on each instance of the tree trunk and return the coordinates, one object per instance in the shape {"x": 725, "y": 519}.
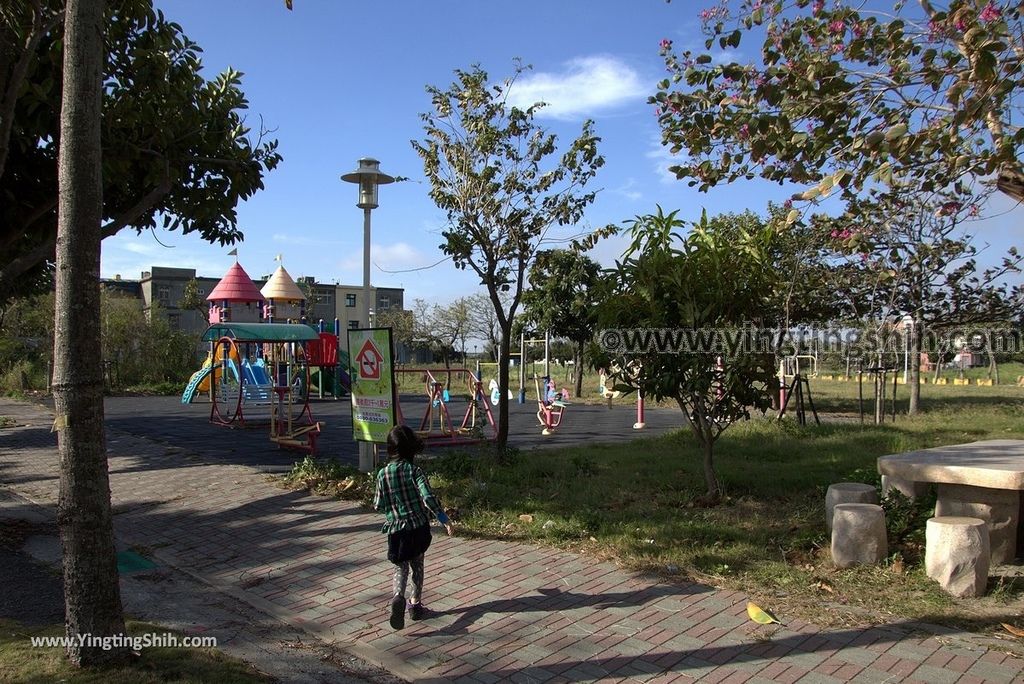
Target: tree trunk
{"x": 993, "y": 366}
{"x": 714, "y": 491}
{"x": 914, "y": 381}
{"x": 91, "y": 591}
{"x": 577, "y": 361}
{"x": 701, "y": 430}
{"x": 503, "y": 361}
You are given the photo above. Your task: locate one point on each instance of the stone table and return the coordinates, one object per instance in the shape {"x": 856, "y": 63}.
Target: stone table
{"x": 979, "y": 480}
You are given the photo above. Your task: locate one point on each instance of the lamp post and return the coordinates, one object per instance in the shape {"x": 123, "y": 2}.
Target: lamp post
{"x": 368, "y": 177}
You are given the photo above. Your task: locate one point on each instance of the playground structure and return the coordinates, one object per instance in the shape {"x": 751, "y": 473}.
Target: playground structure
{"x": 611, "y": 394}
{"x": 329, "y": 363}
{"x": 550, "y": 405}
{"x": 437, "y": 426}
{"x": 261, "y": 378}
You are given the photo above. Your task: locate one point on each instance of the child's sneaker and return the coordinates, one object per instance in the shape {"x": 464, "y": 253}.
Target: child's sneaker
{"x": 398, "y": 612}
{"x": 417, "y": 611}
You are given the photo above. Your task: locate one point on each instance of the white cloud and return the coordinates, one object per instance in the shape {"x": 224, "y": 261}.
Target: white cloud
{"x": 629, "y": 191}
{"x": 663, "y": 159}
{"x": 584, "y": 86}
{"x": 392, "y": 257}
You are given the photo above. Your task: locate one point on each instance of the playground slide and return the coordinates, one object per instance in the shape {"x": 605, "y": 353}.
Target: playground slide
{"x": 256, "y": 374}
{"x": 193, "y": 384}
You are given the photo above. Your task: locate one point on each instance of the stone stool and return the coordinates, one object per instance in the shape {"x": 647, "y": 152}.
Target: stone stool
{"x": 957, "y": 554}
{"x": 858, "y": 534}
{"x": 847, "y": 492}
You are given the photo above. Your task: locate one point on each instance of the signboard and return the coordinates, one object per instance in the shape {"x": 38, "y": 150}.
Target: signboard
{"x": 373, "y": 383}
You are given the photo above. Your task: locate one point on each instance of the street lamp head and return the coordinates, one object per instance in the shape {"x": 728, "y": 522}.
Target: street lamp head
{"x": 368, "y": 176}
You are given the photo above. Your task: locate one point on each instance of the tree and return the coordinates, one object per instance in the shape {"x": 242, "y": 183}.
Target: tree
{"x": 483, "y": 323}
{"x": 191, "y": 300}
{"x": 91, "y": 591}
{"x": 187, "y": 171}
{"x": 401, "y": 323}
{"x": 562, "y": 299}
{"x": 846, "y": 97}
{"x": 911, "y": 257}
{"x": 492, "y": 171}
{"x": 708, "y": 280}
{"x": 452, "y": 323}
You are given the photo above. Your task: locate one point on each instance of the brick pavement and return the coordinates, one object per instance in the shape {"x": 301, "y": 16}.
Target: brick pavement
{"x": 503, "y": 611}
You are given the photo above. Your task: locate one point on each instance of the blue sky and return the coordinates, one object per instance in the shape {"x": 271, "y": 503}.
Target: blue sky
{"x": 338, "y": 81}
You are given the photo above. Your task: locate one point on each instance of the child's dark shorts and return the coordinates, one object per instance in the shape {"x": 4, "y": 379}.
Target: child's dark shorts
{"x": 407, "y": 544}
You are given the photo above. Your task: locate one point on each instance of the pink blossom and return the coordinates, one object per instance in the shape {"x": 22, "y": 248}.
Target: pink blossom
{"x": 837, "y": 48}
{"x": 837, "y": 26}
{"x": 665, "y": 44}
{"x": 949, "y": 208}
{"x": 817, "y": 7}
{"x": 744, "y": 132}
{"x": 961, "y": 25}
{"x": 990, "y": 13}
{"x": 788, "y": 204}
{"x": 858, "y": 30}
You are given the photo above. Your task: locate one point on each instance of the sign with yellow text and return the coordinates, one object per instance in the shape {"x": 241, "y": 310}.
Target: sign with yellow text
{"x": 373, "y": 383}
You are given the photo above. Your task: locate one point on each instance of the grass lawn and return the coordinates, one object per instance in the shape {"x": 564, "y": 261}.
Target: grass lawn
{"x": 20, "y": 662}
{"x": 634, "y": 505}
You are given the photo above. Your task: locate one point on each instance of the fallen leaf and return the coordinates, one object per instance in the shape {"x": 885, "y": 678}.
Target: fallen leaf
{"x": 1015, "y": 631}
{"x": 824, "y": 586}
{"x": 526, "y": 518}
{"x": 760, "y": 615}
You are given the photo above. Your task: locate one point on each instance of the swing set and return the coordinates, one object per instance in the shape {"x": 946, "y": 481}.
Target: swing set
{"x": 440, "y": 425}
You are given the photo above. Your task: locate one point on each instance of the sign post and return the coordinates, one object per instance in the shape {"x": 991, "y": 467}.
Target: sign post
{"x": 373, "y": 387}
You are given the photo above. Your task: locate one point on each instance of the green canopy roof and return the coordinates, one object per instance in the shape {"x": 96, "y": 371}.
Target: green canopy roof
{"x": 261, "y": 332}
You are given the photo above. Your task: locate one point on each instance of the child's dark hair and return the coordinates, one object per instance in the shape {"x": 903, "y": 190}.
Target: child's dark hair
{"x": 403, "y": 443}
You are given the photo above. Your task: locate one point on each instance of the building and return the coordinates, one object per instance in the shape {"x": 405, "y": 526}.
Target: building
{"x": 162, "y": 290}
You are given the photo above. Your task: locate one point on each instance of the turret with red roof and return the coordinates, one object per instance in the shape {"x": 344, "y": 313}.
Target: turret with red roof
{"x": 235, "y": 298}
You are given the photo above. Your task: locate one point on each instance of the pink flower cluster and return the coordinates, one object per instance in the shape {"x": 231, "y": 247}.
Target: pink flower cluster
{"x": 844, "y": 234}
{"x": 949, "y": 208}
{"x": 990, "y": 13}
{"x": 719, "y": 12}
{"x": 665, "y": 44}
{"x": 837, "y": 26}
{"x": 817, "y": 7}
{"x": 744, "y": 132}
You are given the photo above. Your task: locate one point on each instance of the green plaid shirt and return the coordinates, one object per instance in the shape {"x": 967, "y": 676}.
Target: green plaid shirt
{"x": 404, "y": 495}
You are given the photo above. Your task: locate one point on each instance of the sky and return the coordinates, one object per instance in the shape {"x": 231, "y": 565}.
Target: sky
{"x": 337, "y": 81}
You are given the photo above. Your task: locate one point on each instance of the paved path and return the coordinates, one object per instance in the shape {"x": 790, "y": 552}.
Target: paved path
{"x": 504, "y": 611}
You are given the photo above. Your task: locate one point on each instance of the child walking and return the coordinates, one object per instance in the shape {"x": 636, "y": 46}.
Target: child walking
{"x": 404, "y": 496}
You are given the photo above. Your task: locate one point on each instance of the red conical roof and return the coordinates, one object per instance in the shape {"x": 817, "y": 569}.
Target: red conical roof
{"x": 235, "y": 286}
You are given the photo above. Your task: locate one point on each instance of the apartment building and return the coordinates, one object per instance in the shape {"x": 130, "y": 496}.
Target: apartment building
{"x": 162, "y": 289}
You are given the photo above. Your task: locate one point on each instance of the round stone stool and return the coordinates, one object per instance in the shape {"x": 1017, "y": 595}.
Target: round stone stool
{"x": 858, "y": 534}
{"x": 847, "y": 492}
{"x": 957, "y": 554}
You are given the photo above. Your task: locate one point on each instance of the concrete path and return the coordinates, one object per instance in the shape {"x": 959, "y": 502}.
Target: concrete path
{"x": 502, "y": 611}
